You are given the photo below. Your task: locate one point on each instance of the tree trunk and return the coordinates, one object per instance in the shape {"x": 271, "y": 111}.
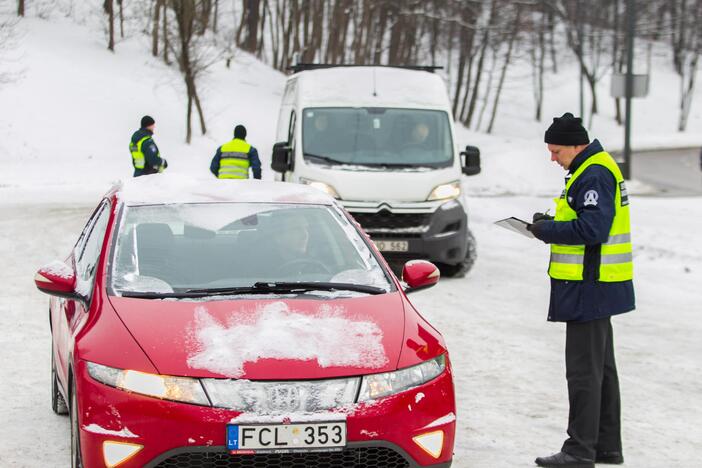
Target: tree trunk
{"x": 20, "y": 8}
{"x": 121, "y": 18}
{"x": 108, "y": 6}
{"x": 166, "y": 44}
{"x": 155, "y": 27}
{"x": 508, "y": 58}
{"x": 188, "y": 125}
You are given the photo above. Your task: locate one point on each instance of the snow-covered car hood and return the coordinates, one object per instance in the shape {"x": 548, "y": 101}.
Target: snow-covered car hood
{"x": 272, "y": 339}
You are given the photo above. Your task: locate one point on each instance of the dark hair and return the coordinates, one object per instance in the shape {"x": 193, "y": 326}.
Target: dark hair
{"x": 240, "y": 132}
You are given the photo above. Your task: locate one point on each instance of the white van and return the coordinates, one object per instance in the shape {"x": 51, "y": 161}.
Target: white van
{"x": 381, "y": 141}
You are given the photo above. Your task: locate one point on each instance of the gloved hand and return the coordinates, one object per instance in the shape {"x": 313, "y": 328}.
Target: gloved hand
{"x": 541, "y": 217}
{"x": 163, "y": 166}
{"x": 537, "y": 219}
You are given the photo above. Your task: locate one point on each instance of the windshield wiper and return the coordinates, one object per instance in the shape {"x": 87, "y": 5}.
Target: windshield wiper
{"x": 262, "y": 287}
{"x": 326, "y": 159}
{"x": 257, "y": 288}
{"x": 318, "y": 286}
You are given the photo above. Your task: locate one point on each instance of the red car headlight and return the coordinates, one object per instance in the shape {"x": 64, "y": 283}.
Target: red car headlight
{"x": 380, "y": 385}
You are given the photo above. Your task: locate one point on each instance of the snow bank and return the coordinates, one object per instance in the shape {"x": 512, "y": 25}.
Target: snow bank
{"x": 276, "y": 332}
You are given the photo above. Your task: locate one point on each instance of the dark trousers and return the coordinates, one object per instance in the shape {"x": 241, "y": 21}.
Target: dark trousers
{"x": 593, "y": 389}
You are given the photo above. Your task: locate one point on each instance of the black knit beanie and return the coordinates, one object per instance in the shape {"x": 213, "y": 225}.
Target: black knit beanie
{"x": 240, "y": 132}
{"x": 147, "y": 121}
{"x": 567, "y": 131}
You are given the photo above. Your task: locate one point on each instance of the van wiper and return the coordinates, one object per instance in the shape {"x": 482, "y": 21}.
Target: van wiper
{"x": 326, "y": 159}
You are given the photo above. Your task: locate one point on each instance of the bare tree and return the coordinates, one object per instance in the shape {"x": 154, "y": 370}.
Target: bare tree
{"x": 508, "y": 57}
{"x": 686, "y": 16}
{"x": 194, "y": 55}
{"x": 20, "y": 7}
{"x": 158, "y": 5}
{"x": 108, "y": 6}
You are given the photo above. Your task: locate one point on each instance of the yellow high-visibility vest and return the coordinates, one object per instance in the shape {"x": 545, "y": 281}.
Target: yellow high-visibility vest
{"x": 138, "y": 159}
{"x": 234, "y": 162}
{"x": 616, "y": 261}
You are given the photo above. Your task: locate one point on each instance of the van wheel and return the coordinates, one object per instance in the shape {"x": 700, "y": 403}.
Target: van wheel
{"x": 460, "y": 270}
{"x": 58, "y": 404}
{"x": 76, "y": 458}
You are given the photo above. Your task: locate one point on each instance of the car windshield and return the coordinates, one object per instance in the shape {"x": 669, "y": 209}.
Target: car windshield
{"x": 215, "y": 246}
{"x": 376, "y": 136}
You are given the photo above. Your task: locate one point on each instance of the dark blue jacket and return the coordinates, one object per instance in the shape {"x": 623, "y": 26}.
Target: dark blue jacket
{"x": 151, "y": 154}
{"x": 253, "y": 160}
{"x": 589, "y": 299}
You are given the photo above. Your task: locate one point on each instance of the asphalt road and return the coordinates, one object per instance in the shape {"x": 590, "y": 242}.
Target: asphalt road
{"x": 675, "y": 172}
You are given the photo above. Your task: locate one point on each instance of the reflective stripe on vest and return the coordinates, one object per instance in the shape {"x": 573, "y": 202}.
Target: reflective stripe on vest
{"x": 616, "y": 260}
{"x": 138, "y": 159}
{"x": 234, "y": 163}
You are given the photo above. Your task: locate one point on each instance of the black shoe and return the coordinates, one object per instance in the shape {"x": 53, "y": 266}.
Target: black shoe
{"x": 564, "y": 459}
{"x": 609, "y": 458}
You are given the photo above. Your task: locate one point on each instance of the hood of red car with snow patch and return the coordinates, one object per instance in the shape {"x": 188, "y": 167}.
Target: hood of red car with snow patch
{"x": 272, "y": 339}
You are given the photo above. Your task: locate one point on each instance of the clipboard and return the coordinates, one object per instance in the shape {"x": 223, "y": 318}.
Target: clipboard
{"x": 516, "y": 225}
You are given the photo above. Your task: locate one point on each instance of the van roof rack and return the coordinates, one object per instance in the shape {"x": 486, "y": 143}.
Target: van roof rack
{"x": 297, "y": 68}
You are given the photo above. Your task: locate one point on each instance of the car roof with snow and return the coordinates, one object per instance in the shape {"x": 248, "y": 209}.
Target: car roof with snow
{"x": 370, "y": 86}
{"x": 177, "y": 188}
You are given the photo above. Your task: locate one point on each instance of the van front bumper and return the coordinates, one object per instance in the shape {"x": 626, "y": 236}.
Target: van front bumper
{"x": 435, "y": 231}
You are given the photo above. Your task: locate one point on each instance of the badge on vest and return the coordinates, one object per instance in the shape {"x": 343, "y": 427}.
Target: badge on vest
{"x": 624, "y": 194}
{"x": 591, "y": 197}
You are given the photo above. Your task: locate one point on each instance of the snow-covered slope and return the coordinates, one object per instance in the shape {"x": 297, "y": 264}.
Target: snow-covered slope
{"x": 67, "y": 122}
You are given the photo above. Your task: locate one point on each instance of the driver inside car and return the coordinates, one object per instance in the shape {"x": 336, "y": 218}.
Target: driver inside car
{"x": 290, "y": 254}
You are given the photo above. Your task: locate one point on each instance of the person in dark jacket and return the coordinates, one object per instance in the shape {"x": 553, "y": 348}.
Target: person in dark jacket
{"x": 234, "y": 158}
{"x": 146, "y": 158}
{"x": 591, "y": 273}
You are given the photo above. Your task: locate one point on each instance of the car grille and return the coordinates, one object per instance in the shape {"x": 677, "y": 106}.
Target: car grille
{"x": 384, "y": 221}
{"x": 361, "y": 457}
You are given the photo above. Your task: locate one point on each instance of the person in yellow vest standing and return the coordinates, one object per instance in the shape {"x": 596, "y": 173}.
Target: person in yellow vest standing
{"x": 591, "y": 270}
{"x": 146, "y": 158}
{"x": 234, "y": 159}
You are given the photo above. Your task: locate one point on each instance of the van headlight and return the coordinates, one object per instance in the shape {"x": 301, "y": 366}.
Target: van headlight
{"x": 324, "y": 187}
{"x": 380, "y": 385}
{"x": 446, "y": 191}
{"x": 165, "y": 387}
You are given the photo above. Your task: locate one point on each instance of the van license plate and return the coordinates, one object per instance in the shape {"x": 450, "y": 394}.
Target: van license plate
{"x": 257, "y": 438}
{"x": 391, "y": 246}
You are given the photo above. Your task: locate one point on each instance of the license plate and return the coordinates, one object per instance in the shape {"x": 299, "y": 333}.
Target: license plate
{"x": 280, "y": 438}
{"x": 391, "y": 246}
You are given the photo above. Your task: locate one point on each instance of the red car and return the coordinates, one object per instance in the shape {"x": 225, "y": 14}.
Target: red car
{"x": 242, "y": 324}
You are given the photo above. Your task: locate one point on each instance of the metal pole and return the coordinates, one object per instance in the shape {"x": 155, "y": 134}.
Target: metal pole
{"x": 630, "y": 25}
{"x": 581, "y": 58}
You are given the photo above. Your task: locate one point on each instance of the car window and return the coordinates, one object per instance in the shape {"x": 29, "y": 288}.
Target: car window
{"x": 166, "y": 248}
{"x": 87, "y": 253}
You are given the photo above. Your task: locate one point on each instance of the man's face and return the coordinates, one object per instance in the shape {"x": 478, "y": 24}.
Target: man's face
{"x": 321, "y": 123}
{"x": 420, "y": 133}
{"x": 563, "y": 155}
{"x": 151, "y": 128}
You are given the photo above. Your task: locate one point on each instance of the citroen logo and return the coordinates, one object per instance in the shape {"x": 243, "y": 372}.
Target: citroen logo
{"x": 283, "y": 398}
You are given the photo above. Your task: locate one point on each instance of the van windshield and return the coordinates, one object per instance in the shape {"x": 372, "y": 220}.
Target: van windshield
{"x": 376, "y": 136}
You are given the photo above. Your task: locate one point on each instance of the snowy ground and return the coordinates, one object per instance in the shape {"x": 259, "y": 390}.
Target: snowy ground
{"x": 76, "y": 106}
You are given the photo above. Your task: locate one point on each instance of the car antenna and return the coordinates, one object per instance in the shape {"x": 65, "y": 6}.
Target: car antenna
{"x": 375, "y": 93}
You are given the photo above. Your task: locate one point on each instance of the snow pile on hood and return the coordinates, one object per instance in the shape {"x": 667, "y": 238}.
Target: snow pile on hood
{"x": 276, "y": 332}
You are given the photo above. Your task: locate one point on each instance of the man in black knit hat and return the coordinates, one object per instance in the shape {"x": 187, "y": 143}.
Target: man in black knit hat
{"x": 591, "y": 272}
{"x": 146, "y": 158}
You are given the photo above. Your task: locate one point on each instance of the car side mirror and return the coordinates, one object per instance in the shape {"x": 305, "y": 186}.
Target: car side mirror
{"x": 281, "y": 160}
{"x": 57, "y": 279}
{"x": 420, "y": 274}
{"x": 471, "y": 164}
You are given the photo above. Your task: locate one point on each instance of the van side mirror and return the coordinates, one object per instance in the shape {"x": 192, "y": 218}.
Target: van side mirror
{"x": 281, "y": 160}
{"x": 57, "y": 279}
{"x": 419, "y": 274}
{"x": 471, "y": 164}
